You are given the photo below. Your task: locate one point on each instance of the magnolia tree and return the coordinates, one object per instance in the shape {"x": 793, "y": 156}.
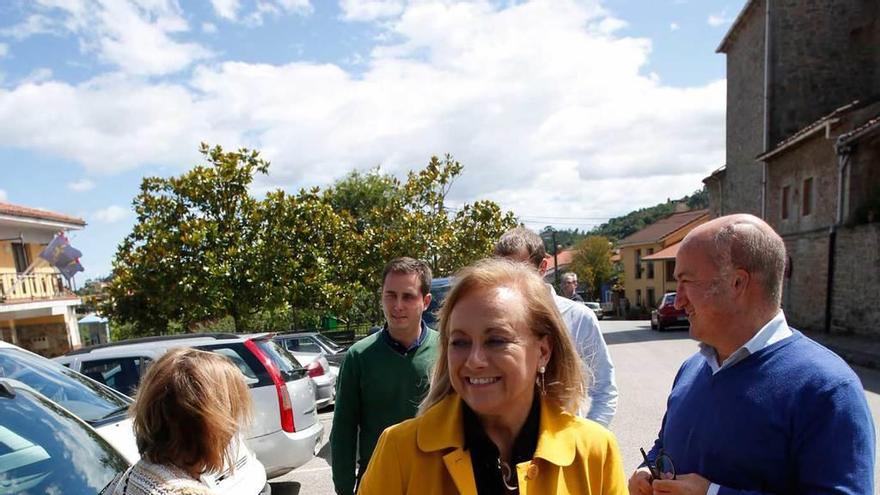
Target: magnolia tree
{"x": 205, "y": 250}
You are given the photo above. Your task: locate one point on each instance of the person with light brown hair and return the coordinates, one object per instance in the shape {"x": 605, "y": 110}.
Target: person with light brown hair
{"x": 187, "y": 413}
{"x": 500, "y": 416}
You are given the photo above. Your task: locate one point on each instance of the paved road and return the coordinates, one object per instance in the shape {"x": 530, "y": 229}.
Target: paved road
{"x": 646, "y": 362}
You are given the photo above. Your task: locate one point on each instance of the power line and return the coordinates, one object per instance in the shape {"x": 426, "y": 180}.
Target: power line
{"x": 563, "y": 218}
{"x": 550, "y": 218}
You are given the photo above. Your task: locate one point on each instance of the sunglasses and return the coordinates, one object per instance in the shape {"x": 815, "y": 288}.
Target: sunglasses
{"x": 662, "y": 468}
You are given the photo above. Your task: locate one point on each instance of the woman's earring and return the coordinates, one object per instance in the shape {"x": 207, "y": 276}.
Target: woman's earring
{"x": 541, "y": 371}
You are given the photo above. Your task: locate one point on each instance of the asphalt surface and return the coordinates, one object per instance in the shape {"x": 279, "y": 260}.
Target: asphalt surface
{"x": 645, "y": 363}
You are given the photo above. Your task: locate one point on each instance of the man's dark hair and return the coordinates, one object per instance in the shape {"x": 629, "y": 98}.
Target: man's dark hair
{"x": 407, "y": 266}
{"x": 520, "y": 239}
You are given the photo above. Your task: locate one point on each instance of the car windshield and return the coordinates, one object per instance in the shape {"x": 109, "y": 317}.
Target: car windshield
{"x": 91, "y": 401}
{"x": 43, "y": 449}
{"x": 669, "y": 299}
{"x": 329, "y": 343}
{"x": 288, "y": 365}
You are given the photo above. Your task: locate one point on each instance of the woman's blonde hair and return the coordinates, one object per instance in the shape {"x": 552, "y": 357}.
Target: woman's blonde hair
{"x": 188, "y": 408}
{"x": 564, "y": 378}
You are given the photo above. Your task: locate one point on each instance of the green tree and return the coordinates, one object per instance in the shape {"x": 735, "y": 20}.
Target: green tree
{"x": 592, "y": 262}
{"x": 410, "y": 218}
{"x": 619, "y": 227}
{"x": 313, "y": 255}
{"x": 204, "y": 254}
{"x": 195, "y": 253}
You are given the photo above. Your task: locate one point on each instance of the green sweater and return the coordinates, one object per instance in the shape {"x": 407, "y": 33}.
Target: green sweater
{"x": 377, "y": 387}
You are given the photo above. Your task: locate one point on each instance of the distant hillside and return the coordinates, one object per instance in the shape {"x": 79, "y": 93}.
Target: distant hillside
{"x": 620, "y": 227}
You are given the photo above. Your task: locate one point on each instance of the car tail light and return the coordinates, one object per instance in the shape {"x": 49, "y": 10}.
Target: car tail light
{"x": 284, "y": 403}
{"x": 315, "y": 369}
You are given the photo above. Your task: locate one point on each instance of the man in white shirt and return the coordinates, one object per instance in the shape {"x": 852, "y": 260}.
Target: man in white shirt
{"x": 523, "y": 245}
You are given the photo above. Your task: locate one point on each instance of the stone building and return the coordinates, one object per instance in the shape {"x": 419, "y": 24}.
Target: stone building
{"x": 802, "y": 152}
{"x": 789, "y": 62}
{"x": 823, "y": 197}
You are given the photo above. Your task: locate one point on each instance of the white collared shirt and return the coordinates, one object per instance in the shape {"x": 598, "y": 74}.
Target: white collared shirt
{"x": 775, "y": 330}
{"x": 591, "y": 347}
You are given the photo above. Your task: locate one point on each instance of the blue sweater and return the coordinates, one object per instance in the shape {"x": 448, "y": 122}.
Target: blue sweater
{"x": 789, "y": 419}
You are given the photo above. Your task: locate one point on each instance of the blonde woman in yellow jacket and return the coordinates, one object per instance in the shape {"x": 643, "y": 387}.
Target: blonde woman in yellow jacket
{"x": 500, "y": 415}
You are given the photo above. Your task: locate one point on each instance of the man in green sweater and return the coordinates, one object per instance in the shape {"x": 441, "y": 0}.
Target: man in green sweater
{"x": 384, "y": 376}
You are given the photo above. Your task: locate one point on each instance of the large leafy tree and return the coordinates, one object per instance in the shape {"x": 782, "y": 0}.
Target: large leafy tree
{"x": 195, "y": 252}
{"x": 592, "y": 262}
{"x": 203, "y": 250}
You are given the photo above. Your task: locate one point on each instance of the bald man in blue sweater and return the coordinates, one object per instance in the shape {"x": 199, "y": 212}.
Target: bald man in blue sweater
{"x": 761, "y": 408}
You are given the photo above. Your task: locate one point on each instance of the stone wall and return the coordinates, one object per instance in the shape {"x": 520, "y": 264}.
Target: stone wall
{"x": 856, "y": 298}
{"x": 805, "y": 287}
{"x": 822, "y": 57}
{"x": 813, "y": 158}
{"x": 864, "y": 179}
{"x": 745, "y": 115}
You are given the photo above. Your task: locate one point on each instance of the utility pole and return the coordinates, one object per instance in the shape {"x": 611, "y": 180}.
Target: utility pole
{"x": 555, "y": 262}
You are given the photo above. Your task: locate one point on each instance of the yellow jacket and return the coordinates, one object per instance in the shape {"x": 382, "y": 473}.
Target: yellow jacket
{"x": 425, "y": 456}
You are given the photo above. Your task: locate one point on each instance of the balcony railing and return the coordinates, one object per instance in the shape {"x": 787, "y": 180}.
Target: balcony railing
{"x": 32, "y": 287}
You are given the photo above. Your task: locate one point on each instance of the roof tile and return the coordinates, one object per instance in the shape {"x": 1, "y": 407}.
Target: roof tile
{"x": 28, "y": 212}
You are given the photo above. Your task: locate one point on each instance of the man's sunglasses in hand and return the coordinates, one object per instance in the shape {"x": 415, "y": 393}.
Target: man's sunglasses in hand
{"x": 662, "y": 467}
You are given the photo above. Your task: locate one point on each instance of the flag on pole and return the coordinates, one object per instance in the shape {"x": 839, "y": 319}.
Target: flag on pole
{"x": 60, "y": 254}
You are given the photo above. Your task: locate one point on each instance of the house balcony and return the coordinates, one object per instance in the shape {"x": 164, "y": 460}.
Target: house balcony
{"x": 34, "y": 287}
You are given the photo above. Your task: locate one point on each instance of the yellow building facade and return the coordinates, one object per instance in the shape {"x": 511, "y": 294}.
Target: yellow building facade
{"x": 37, "y": 307}
{"x": 648, "y": 257}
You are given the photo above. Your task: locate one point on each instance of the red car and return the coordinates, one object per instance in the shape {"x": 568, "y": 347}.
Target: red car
{"x": 666, "y": 316}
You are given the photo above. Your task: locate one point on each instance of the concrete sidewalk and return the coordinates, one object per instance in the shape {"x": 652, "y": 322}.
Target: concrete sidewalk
{"x": 854, "y": 349}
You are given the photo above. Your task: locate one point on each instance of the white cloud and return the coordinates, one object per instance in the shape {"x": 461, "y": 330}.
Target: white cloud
{"x": 370, "y": 10}
{"x": 209, "y": 28}
{"x": 36, "y": 76}
{"x": 4, "y": 50}
{"x": 2, "y": 195}
{"x": 111, "y": 214}
{"x": 227, "y": 9}
{"x": 721, "y": 19}
{"x": 135, "y": 35}
{"x": 230, "y": 10}
{"x": 81, "y": 185}
{"x": 33, "y": 25}
{"x": 673, "y": 26}
{"x": 544, "y": 105}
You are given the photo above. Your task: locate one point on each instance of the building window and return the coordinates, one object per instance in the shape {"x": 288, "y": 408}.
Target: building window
{"x": 638, "y": 270}
{"x": 670, "y": 270}
{"x": 650, "y": 264}
{"x": 638, "y": 298}
{"x": 22, "y": 260}
{"x": 807, "y": 197}
{"x": 652, "y": 301}
{"x": 786, "y": 192}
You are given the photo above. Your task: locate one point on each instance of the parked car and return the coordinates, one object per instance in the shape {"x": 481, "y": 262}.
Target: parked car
{"x": 320, "y": 371}
{"x": 285, "y": 433}
{"x": 666, "y": 316}
{"x": 439, "y": 288}
{"x": 106, "y": 410}
{"x": 44, "y": 448}
{"x": 315, "y": 343}
{"x": 596, "y": 308}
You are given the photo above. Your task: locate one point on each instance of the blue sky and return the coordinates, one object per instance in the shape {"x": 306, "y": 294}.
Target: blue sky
{"x": 566, "y": 112}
